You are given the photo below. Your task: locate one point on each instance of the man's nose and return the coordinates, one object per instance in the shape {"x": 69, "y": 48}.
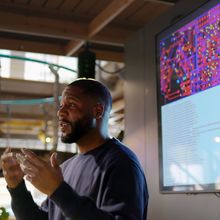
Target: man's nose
{"x": 61, "y": 111}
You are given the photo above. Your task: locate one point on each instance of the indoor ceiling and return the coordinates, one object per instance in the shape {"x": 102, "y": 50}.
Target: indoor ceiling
{"x": 63, "y": 26}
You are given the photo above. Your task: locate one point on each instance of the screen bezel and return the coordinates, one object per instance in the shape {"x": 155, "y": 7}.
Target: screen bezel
{"x": 207, "y": 188}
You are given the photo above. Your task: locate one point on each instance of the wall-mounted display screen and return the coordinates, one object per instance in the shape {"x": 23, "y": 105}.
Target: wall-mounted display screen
{"x": 189, "y": 102}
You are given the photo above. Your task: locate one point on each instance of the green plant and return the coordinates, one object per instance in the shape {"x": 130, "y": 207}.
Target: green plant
{"x": 3, "y": 214}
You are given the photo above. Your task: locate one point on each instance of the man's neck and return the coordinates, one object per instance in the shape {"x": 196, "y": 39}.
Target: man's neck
{"x": 87, "y": 144}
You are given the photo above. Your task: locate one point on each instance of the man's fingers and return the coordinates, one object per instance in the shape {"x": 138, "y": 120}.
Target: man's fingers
{"x": 30, "y": 164}
{"x": 27, "y": 166}
{"x": 28, "y": 170}
{"x": 8, "y": 159}
{"x": 33, "y": 158}
{"x": 6, "y": 155}
{"x": 53, "y": 160}
{"x": 7, "y": 150}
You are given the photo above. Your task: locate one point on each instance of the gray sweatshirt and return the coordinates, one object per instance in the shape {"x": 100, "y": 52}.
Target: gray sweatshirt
{"x": 102, "y": 184}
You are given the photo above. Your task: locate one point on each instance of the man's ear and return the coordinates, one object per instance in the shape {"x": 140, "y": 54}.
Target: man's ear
{"x": 98, "y": 110}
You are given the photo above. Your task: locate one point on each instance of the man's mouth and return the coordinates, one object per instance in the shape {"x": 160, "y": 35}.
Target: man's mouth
{"x": 64, "y": 125}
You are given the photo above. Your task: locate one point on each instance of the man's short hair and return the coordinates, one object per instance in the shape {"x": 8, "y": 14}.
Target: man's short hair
{"x": 95, "y": 89}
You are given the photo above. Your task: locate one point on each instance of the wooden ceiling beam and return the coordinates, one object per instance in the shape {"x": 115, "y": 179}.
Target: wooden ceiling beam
{"x": 107, "y": 15}
{"x": 54, "y": 48}
{"x": 55, "y": 28}
{"x": 108, "y": 55}
{"x": 113, "y": 33}
{"x": 163, "y": 2}
{"x": 100, "y": 21}
{"x": 31, "y": 46}
{"x": 73, "y": 46}
{"x": 41, "y": 26}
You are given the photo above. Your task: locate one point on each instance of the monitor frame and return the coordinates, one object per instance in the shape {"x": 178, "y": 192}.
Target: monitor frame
{"x": 189, "y": 188}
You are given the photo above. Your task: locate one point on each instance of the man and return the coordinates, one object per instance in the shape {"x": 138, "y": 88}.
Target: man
{"x": 103, "y": 182}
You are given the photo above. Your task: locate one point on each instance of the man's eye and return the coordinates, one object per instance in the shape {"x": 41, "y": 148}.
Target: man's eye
{"x": 72, "y": 105}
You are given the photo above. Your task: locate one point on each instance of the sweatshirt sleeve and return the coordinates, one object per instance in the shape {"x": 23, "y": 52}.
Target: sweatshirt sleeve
{"x": 124, "y": 197}
{"x": 77, "y": 207}
{"x": 24, "y": 206}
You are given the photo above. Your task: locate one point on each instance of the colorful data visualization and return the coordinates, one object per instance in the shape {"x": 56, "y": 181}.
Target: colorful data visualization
{"x": 190, "y": 57}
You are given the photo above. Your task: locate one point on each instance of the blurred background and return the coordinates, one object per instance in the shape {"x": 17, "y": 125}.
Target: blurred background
{"x": 46, "y": 44}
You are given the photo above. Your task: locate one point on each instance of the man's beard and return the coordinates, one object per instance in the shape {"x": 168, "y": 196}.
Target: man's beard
{"x": 78, "y": 129}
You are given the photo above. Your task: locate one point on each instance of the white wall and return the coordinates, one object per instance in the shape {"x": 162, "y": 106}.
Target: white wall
{"x": 141, "y": 124}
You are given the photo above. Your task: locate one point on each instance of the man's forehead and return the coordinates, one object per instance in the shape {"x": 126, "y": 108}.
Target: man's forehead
{"x": 73, "y": 91}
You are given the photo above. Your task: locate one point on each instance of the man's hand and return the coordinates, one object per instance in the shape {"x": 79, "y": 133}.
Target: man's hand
{"x": 11, "y": 169}
{"x": 45, "y": 176}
